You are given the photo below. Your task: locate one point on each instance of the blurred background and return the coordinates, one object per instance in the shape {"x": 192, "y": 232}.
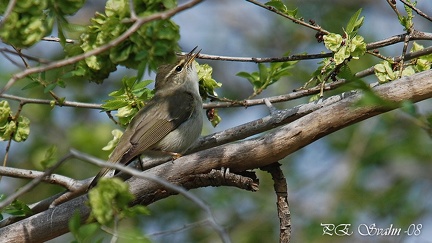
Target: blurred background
{"x": 375, "y": 172}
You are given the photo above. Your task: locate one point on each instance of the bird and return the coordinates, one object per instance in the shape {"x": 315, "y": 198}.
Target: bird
{"x": 170, "y": 122}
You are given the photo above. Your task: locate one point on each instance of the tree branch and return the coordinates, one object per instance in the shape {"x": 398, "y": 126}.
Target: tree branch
{"x": 32, "y": 184}
{"x": 64, "y": 181}
{"x": 25, "y": 100}
{"x": 281, "y": 189}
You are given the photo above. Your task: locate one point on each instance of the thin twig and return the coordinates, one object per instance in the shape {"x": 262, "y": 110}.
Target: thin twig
{"x": 404, "y": 52}
{"x": 281, "y": 189}
{"x": 415, "y": 35}
{"x": 418, "y": 11}
{"x": 265, "y": 59}
{"x": 132, "y": 10}
{"x": 51, "y": 102}
{"x": 32, "y": 183}
{"x": 8, "y": 146}
{"x": 57, "y": 39}
{"x": 297, "y": 21}
{"x": 61, "y": 180}
{"x": 134, "y": 27}
{"x": 392, "y": 4}
{"x": 136, "y": 173}
{"x": 8, "y": 11}
{"x": 40, "y": 60}
{"x": 18, "y": 51}
{"x": 11, "y": 60}
{"x": 185, "y": 227}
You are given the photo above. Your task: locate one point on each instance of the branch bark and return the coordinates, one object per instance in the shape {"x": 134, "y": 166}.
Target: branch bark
{"x": 281, "y": 190}
{"x": 240, "y": 156}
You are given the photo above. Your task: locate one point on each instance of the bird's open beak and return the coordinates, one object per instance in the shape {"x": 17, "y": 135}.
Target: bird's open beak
{"x": 191, "y": 56}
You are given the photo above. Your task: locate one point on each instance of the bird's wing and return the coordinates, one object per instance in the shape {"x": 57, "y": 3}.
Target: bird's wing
{"x": 149, "y": 126}
{"x": 148, "y": 133}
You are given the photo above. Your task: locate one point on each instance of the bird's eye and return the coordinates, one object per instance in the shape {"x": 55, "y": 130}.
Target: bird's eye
{"x": 179, "y": 68}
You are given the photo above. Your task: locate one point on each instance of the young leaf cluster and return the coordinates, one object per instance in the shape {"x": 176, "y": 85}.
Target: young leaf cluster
{"x": 129, "y": 99}
{"x": 387, "y": 71}
{"x": 110, "y": 199}
{"x": 30, "y": 21}
{"x": 407, "y": 21}
{"x": 266, "y": 76}
{"x": 350, "y": 45}
{"x": 344, "y": 47}
{"x": 207, "y": 86}
{"x": 11, "y": 127}
{"x": 152, "y": 44}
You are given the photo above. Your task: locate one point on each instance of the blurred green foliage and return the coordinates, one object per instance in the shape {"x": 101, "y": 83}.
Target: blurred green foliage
{"x": 110, "y": 200}
{"x": 153, "y": 44}
{"x": 12, "y": 127}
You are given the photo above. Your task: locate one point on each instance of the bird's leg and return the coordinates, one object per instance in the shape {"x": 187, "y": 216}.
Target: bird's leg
{"x": 173, "y": 155}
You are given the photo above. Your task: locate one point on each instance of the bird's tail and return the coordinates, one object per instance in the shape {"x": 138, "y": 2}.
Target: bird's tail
{"x": 102, "y": 173}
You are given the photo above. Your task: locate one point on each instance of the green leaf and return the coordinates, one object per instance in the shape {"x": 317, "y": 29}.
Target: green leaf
{"x": 74, "y": 223}
{"x": 409, "y": 107}
{"x": 333, "y": 41}
{"x": 354, "y": 23}
{"x": 31, "y": 85}
{"x": 207, "y": 84}
{"x": 384, "y": 72}
{"x": 82, "y": 233}
{"x": 263, "y": 75}
{"x": 23, "y": 130}
{"x": 50, "y": 157}
{"x": 408, "y": 71}
{"x": 129, "y": 98}
{"x": 50, "y": 87}
{"x": 357, "y": 46}
{"x": 113, "y": 143}
{"x": 27, "y": 24}
{"x": 5, "y": 111}
{"x": 245, "y": 75}
{"x": 126, "y": 111}
{"x": 370, "y": 98}
{"x": 407, "y": 21}
{"x": 153, "y": 44}
{"x": 267, "y": 76}
{"x": 6, "y": 130}
{"x": 18, "y": 208}
{"x": 111, "y": 198}
{"x": 314, "y": 97}
{"x": 346, "y": 73}
{"x": 342, "y": 54}
{"x": 279, "y": 5}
